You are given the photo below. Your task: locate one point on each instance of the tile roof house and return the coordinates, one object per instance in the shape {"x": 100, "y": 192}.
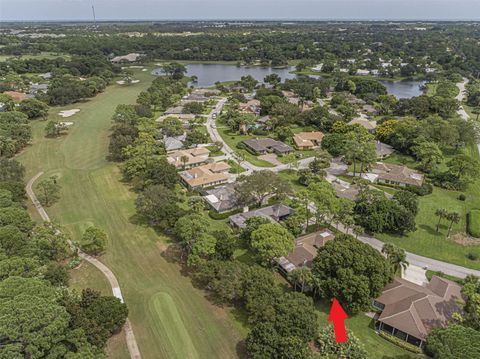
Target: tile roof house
{"x": 207, "y": 175}
{"x": 410, "y": 311}
{"x": 276, "y": 213}
{"x": 389, "y": 173}
{"x": 308, "y": 140}
{"x": 266, "y": 145}
{"x": 370, "y": 126}
{"x": 383, "y": 150}
{"x": 194, "y": 98}
{"x": 184, "y": 117}
{"x": 16, "y": 96}
{"x": 223, "y": 198}
{"x": 194, "y": 157}
{"x": 174, "y": 143}
{"x": 252, "y": 107}
{"x": 306, "y": 249}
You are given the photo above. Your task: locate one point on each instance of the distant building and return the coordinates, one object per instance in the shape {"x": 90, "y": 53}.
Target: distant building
{"x": 410, "y": 311}
{"x": 207, "y": 175}
{"x": 176, "y": 110}
{"x": 276, "y": 213}
{"x": 132, "y": 57}
{"x": 308, "y": 140}
{"x": 36, "y": 88}
{"x": 251, "y": 107}
{"x": 17, "y": 96}
{"x": 306, "y": 249}
{"x": 174, "y": 143}
{"x": 188, "y": 158}
{"x": 383, "y": 150}
{"x": 266, "y": 145}
{"x": 370, "y": 126}
{"x": 194, "y": 98}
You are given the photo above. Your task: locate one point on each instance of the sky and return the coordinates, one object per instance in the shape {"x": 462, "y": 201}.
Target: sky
{"x": 30, "y": 10}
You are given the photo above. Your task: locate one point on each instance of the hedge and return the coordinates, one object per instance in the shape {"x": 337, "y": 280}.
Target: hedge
{"x": 473, "y": 223}
{"x": 401, "y": 343}
{"x": 221, "y": 216}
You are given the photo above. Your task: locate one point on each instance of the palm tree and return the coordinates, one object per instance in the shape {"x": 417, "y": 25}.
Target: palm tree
{"x": 453, "y": 217}
{"x": 358, "y": 230}
{"x": 302, "y": 276}
{"x": 396, "y": 256}
{"x": 441, "y": 213}
{"x": 184, "y": 160}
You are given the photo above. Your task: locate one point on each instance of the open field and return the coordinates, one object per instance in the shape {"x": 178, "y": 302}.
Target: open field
{"x": 43, "y": 55}
{"x": 162, "y": 302}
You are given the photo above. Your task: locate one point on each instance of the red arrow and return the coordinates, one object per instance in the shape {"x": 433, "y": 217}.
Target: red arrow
{"x": 337, "y": 316}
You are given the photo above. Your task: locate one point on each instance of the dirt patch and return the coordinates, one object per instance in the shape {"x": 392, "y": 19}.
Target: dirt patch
{"x": 464, "y": 240}
{"x": 68, "y": 113}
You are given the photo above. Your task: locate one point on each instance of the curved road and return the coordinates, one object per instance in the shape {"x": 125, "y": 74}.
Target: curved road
{"x": 414, "y": 259}
{"x": 130, "y": 337}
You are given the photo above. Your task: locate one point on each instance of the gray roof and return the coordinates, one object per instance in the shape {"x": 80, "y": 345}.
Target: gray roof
{"x": 38, "y": 87}
{"x": 174, "y": 143}
{"x": 223, "y": 198}
{"x": 174, "y": 110}
{"x": 272, "y": 213}
{"x": 383, "y": 149}
{"x": 265, "y": 144}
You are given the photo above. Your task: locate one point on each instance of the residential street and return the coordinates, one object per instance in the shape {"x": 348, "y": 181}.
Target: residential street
{"x": 332, "y": 171}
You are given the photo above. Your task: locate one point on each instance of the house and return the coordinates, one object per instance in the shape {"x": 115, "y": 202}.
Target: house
{"x": 251, "y": 107}
{"x": 369, "y": 110}
{"x": 16, "y": 96}
{"x": 345, "y": 190}
{"x": 174, "y": 110}
{"x": 276, "y": 213}
{"x": 383, "y": 150}
{"x": 174, "y": 143}
{"x": 207, "y": 175}
{"x": 184, "y": 117}
{"x": 132, "y": 57}
{"x": 194, "y": 98}
{"x": 36, "y": 88}
{"x": 188, "y": 158}
{"x": 370, "y": 126}
{"x": 410, "y": 312}
{"x": 266, "y": 145}
{"x": 363, "y": 72}
{"x": 306, "y": 249}
{"x": 308, "y": 140}
{"x": 398, "y": 175}
{"x": 222, "y": 199}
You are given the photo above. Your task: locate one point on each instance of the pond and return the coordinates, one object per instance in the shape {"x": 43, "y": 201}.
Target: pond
{"x": 405, "y": 88}
{"x": 208, "y": 74}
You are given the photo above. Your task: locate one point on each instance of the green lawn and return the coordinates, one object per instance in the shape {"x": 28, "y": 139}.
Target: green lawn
{"x": 362, "y": 328}
{"x": 162, "y": 301}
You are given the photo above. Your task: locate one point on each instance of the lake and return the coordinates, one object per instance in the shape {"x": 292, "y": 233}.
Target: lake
{"x": 208, "y": 74}
{"x": 404, "y": 89}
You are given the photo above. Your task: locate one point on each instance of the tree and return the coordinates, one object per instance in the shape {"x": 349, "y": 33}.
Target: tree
{"x": 464, "y": 167}
{"x": 407, "y": 199}
{"x": 453, "y": 217}
{"x": 33, "y": 108}
{"x": 452, "y": 342}
{"x": 193, "y": 107}
{"x": 108, "y": 312}
{"x": 352, "y": 272}
{"x": 328, "y": 346}
{"x": 325, "y": 201}
{"x": 225, "y": 245}
{"x": 259, "y": 186}
{"x": 429, "y": 155}
{"x": 50, "y": 243}
{"x": 203, "y": 248}
{"x": 49, "y": 190}
{"x": 396, "y": 256}
{"x": 471, "y": 308}
{"x": 248, "y": 82}
{"x": 17, "y": 217}
{"x": 251, "y": 225}
{"x": 271, "y": 241}
{"x": 175, "y": 70}
{"x": 172, "y": 126}
{"x": 441, "y": 213}
{"x": 158, "y": 205}
{"x": 94, "y": 241}
{"x": 301, "y": 276}
{"x": 189, "y": 229}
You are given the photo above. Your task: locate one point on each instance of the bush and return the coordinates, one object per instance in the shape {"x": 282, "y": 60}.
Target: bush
{"x": 221, "y": 216}
{"x": 399, "y": 342}
{"x": 462, "y": 197}
{"x": 473, "y": 223}
{"x": 472, "y": 256}
{"x": 424, "y": 190}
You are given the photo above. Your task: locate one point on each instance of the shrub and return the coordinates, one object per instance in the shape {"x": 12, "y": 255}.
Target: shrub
{"x": 424, "y": 190}
{"x": 473, "y": 223}
{"x": 221, "y": 216}
{"x": 462, "y": 197}
{"x": 399, "y": 342}
{"x": 472, "y": 256}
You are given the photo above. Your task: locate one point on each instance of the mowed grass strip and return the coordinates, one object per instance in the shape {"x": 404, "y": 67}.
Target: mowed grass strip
{"x": 92, "y": 193}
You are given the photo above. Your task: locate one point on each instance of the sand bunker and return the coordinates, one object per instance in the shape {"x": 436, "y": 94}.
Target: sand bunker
{"x": 136, "y": 67}
{"x": 66, "y": 123}
{"x": 68, "y": 113}
{"x": 122, "y": 82}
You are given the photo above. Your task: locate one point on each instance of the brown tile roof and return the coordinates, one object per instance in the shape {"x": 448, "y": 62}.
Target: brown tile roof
{"x": 368, "y": 125}
{"x": 306, "y": 248}
{"x": 206, "y": 175}
{"x": 16, "y": 96}
{"x": 194, "y": 155}
{"x": 266, "y": 144}
{"x": 416, "y": 310}
{"x": 397, "y": 173}
{"x": 308, "y": 139}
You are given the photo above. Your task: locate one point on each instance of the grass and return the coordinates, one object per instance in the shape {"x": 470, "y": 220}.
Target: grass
{"x": 42, "y": 55}
{"x": 362, "y": 328}
{"x": 87, "y": 276}
{"x": 429, "y": 274}
{"x": 92, "y": 193}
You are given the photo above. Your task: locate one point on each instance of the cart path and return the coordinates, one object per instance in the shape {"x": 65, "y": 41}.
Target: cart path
{"x": 129, "y": 335}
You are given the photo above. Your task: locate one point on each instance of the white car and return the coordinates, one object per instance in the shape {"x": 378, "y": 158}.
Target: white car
{"x": 214, "y": 116}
